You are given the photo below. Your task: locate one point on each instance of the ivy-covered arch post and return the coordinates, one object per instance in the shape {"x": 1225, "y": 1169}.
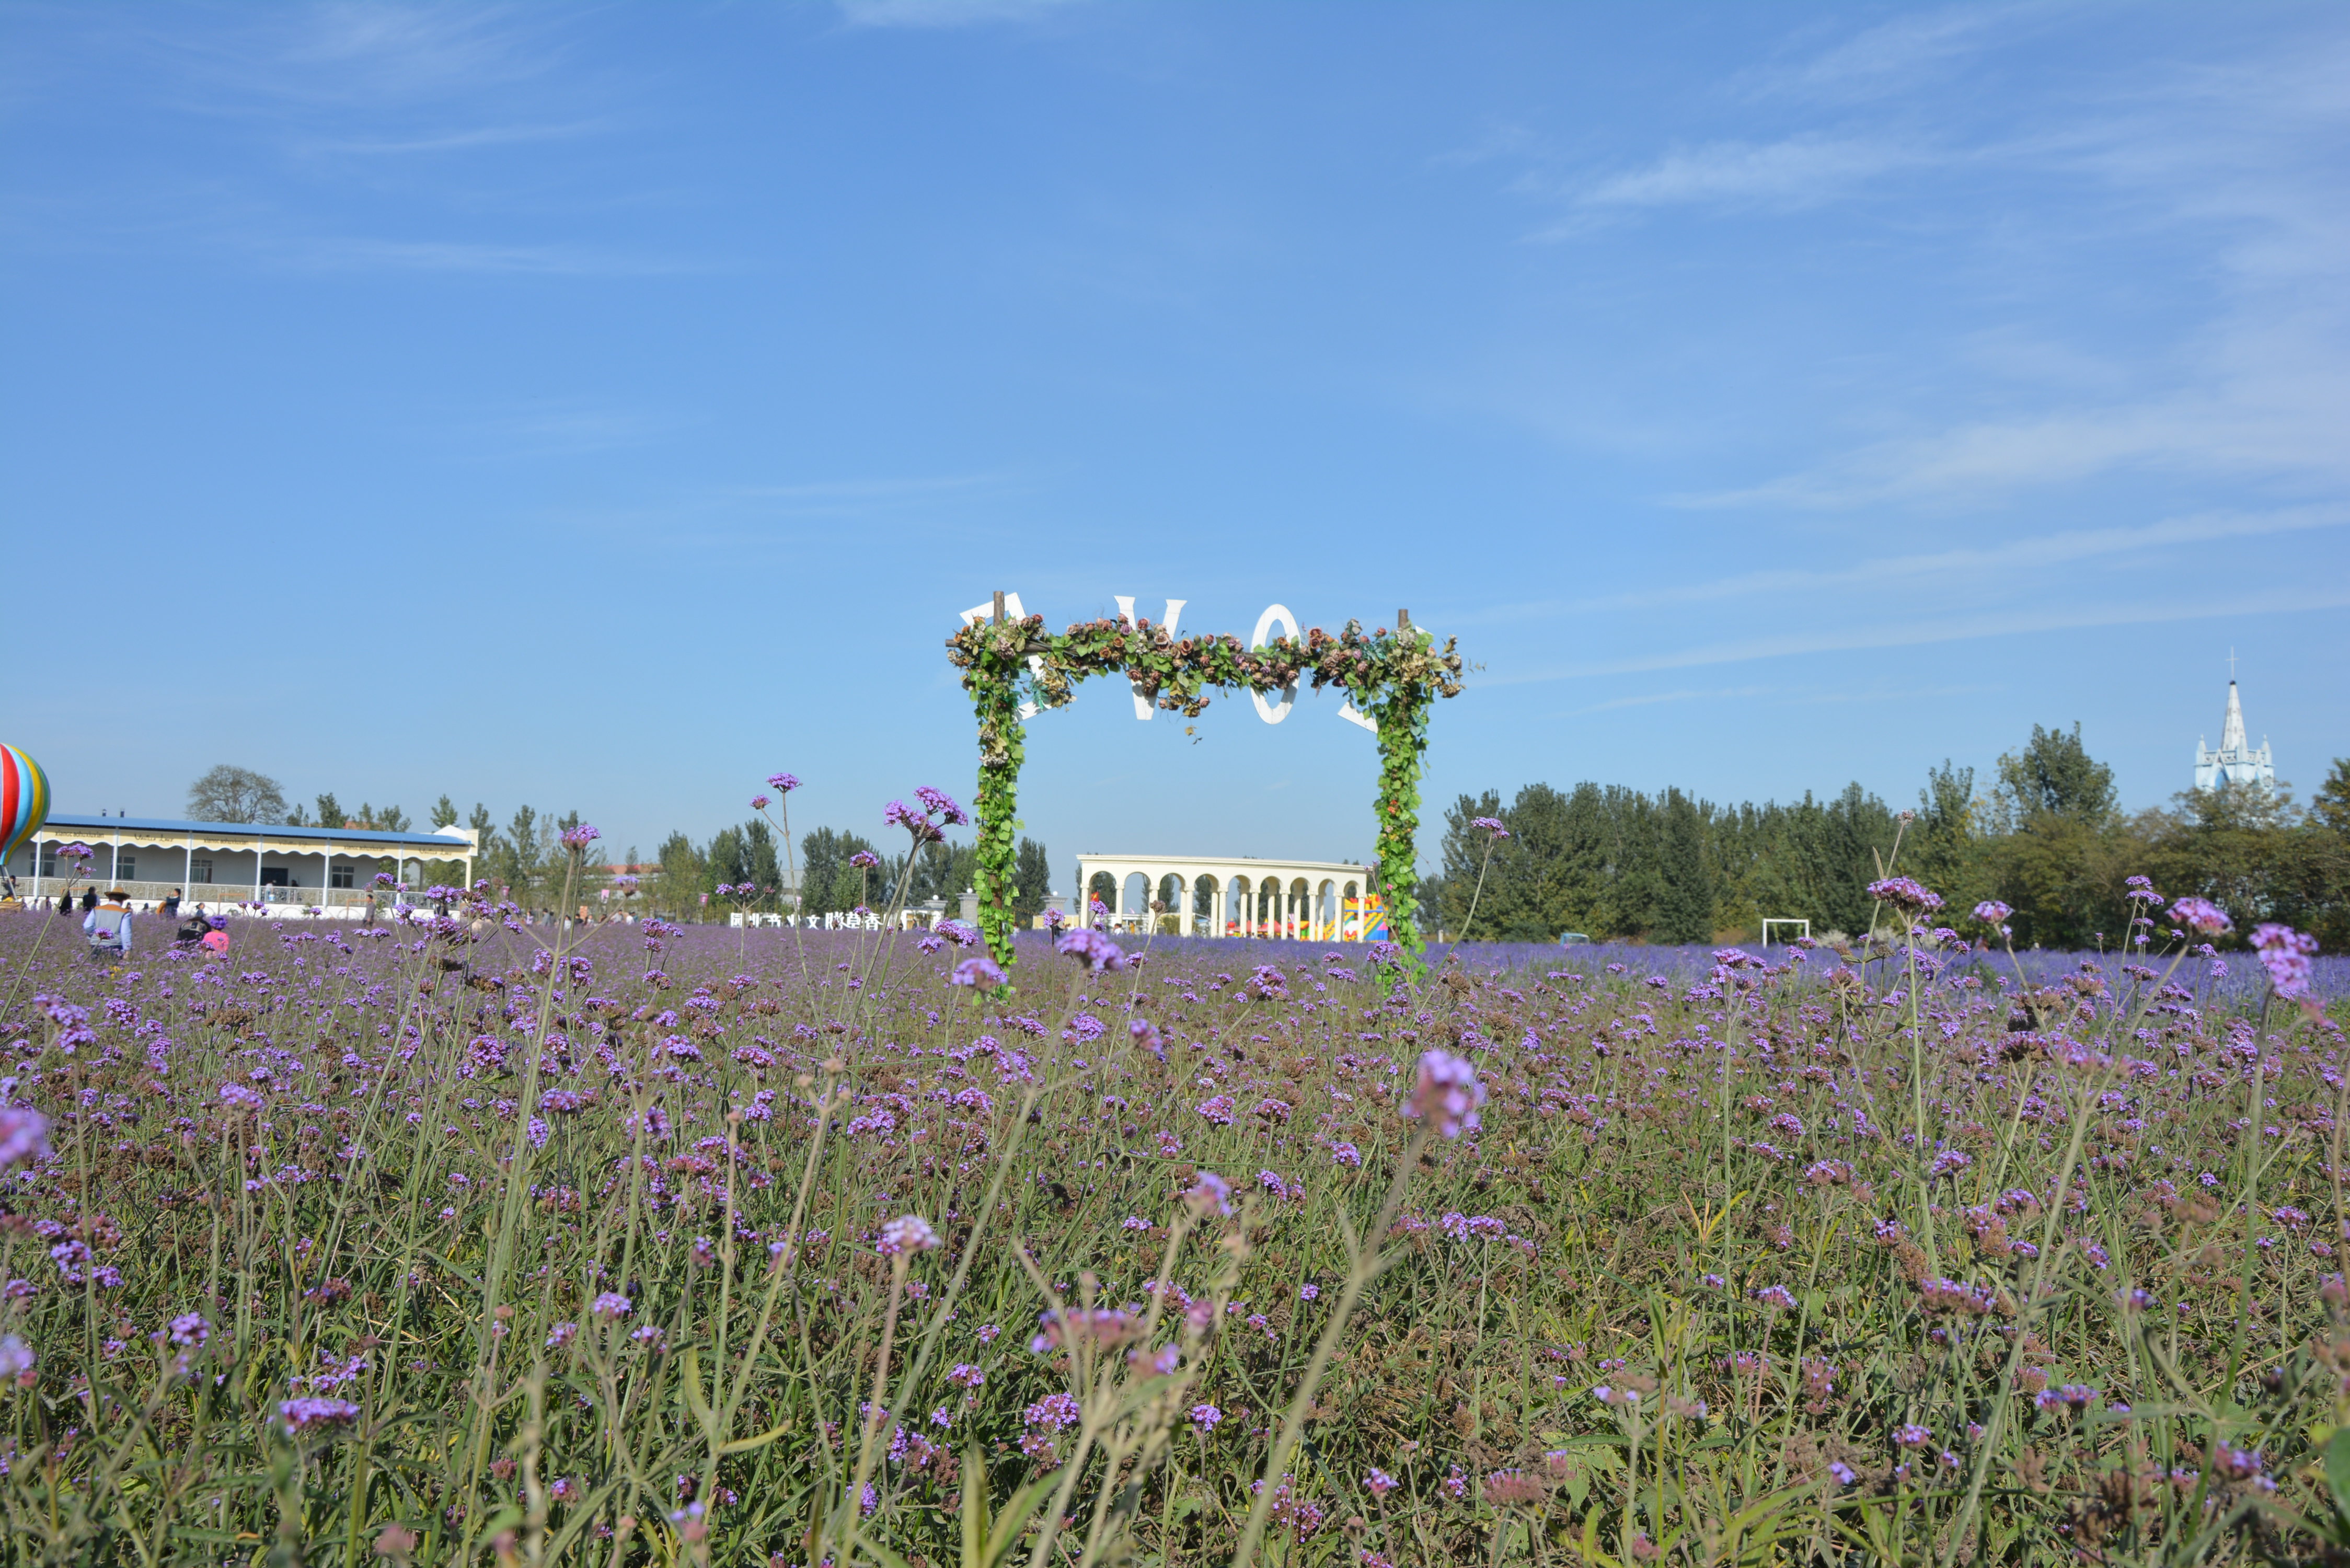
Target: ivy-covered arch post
{"x": 1390, "y": 676}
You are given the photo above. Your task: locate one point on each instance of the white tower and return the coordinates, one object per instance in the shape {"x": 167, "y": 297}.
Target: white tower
{"x": 2235, "y": 763}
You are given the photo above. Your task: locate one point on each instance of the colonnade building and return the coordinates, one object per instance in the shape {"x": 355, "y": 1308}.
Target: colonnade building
{"x": 1195, "y": 895}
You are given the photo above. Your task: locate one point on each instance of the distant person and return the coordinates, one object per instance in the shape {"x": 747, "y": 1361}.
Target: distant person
{"x": 172, "y": 906}
{"x": 369, "y": 903}
{"x": 89, "y": 899}
{"x": 216, "y": 940}
{"x": 108, "y": 925}
{"x": 191, "y": 932}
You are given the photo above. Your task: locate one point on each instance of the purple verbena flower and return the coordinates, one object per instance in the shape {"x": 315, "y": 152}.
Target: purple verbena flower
{"x": 1447, "y": 1092}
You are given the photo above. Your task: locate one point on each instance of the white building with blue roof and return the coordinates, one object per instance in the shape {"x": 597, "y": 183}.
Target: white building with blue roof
{"x": 331, "y": 869}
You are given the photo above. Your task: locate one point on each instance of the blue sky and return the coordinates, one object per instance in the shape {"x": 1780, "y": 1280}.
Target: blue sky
{"x": 605, "y": 406}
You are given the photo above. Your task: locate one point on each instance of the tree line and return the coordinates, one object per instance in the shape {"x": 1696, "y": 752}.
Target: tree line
{"x": 837, "y": 871}
{"x": 525, "y": 857}
{"x": 2047, "y": 836}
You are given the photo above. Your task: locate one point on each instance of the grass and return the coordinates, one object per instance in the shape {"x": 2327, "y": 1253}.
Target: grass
{"x": 473, "y": 1241}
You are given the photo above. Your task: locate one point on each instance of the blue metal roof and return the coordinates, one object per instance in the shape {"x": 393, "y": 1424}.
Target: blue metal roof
{"x": 105, "y": 826}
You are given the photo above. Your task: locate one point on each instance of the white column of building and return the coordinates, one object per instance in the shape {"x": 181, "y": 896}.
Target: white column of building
{"x": 325, "y": 875}
{"x": 114, "y": 872}
{"x": 256, "y": 867}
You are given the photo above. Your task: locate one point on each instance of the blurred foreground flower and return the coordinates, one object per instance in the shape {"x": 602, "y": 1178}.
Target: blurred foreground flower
{"x": 1093, "y": 948}
{"x": 2202, "y": 916}
{"x": 978, "y": 972}
{"x": 2285, "y": 954}
{"x": 1447, "y": 1092}
{"x": 299, "y": 1417}
{"x": 24, "y": 1136}
{"x": 1905, "y": 893}
{"x": 907, "y": 1233}
{"x": 1211, "y": 1194}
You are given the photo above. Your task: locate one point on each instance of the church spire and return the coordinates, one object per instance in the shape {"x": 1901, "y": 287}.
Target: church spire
{"x": 2231, "y": 732}
{"x": 2235, "y": 763}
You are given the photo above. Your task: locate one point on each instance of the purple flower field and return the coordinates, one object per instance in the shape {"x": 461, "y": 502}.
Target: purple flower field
{"x": 465, "y": 1241}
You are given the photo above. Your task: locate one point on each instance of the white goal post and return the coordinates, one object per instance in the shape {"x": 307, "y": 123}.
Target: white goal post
{"x": 1807, "y": 926}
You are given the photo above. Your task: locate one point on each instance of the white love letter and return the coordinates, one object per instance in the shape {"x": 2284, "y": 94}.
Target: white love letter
{"x": 1012, "y": 611}
{"x": 1264, "y": 623}
{"x": 1143, "y": 705}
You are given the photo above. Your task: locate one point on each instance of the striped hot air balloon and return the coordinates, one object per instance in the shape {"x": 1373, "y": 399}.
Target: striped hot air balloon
{"x": 23, "y": 798}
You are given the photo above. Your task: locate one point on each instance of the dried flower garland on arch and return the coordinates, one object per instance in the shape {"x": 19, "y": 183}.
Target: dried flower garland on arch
{"x": 1391, "y": 677}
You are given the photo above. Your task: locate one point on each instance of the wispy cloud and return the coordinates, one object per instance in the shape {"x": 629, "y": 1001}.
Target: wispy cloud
{"x": 848, "y": 497}
{"x": 405, "y": 51}
{"x": 1895, "y": 55}
{"x": 2020, "y": 559}
{"x": 332, "y": 254}
{"x": 1781, "y": 696}
{"x": 464, "y": 140}
{"x": 1915, "y": 631}
{"x": 2274, "y": 399}
{"x": 1650, "y": 699}
{"x": 1798, "y": 172}
{"x": 945, "y": 12}
{"x": 2233, "y": 160}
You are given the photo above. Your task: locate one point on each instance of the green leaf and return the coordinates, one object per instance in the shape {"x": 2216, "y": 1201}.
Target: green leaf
{"x": 2337, "y": 1469}
{"x": 974, "y": 1509}
{"x": 691, "y": 1366}
{"x": 745, "y": 1445}
{"x": 1014, "y": 1519}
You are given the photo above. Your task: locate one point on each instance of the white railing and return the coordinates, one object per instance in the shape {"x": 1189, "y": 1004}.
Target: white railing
{"x": 215, "y": 895}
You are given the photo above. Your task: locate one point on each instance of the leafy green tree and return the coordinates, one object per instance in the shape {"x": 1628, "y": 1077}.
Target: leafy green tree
{"x": 516, "y": 862}
{"x": 445, "y": 813}
{"x": 227, "y": 793}
{"x": 2055, "y": 775}
{"x": 1464, "y": 851}
{"x": 677, "y": 887}
{"x": 331, "y": 811}
{"x": 485, "y": 837}
{"x": 942, "y": 870}
{"x": 556, "y": 871}
{"x": 827, "y": 882}
{"x": 1032, "y": 878}
{"x": 2330, "y": 808}
{"x": 2061, "y": 857}
{"x": 1941, "y": 847}
{"x": 744, "y": 854}
{"x": 1685, "y": 897}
